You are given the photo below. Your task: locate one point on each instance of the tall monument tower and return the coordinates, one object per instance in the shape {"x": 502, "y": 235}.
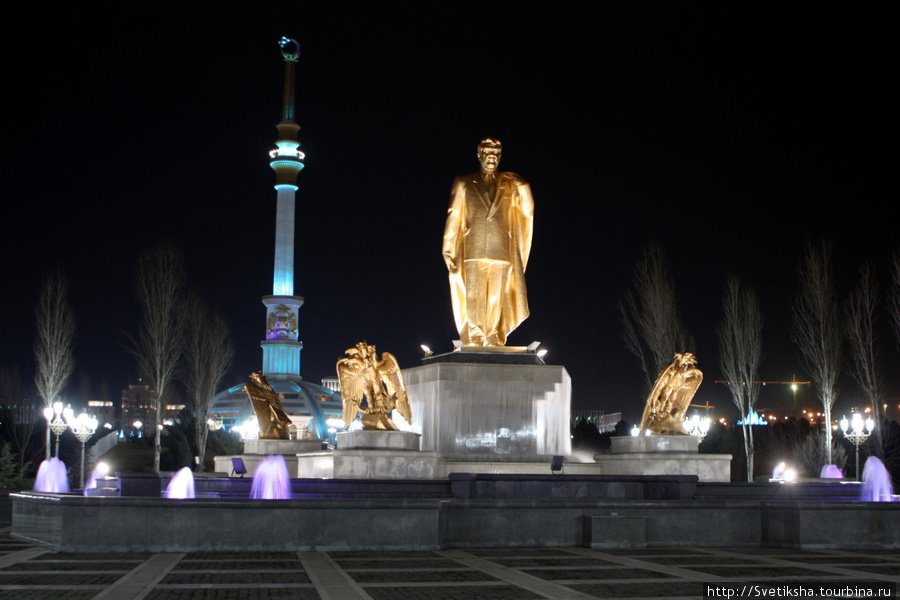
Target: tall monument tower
{"x": 281, "y": 348}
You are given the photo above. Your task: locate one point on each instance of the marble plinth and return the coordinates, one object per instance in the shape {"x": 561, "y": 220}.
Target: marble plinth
{"x": 378, "y": 440}
{"x": 385, "y": 464}
{"x": 372, "y": 455}
{"x": 653, "y": 443}
{"x": 267, "y": 447}
{"x": 659, "y": 455}
{"x": 490, "y": 408}
{"x": 708, "y": 467}
{"x": 256, "y": 450}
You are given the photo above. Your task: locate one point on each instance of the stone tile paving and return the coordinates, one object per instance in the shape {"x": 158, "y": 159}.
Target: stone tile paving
{"x": 600, "y": 573}
{"x": 696, "y": 559}
{"x": 230, "y": 578}
{"x": 669, "y": 589}
{"x": 536, "y": 561}
{"x": 256, "y": 593}
{"x": 235, "y": 565}
{"x": 395, "y": 564}
{"x": 30, "y": 573}
{"x": 487, "y": 592}
{"x": 441, "y": 576}
{"x": 880, "y": 569}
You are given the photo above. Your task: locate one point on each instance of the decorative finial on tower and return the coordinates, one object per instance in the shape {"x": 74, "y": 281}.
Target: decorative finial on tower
{"x": 287, "y": 159}
{"x": 290, "y": 50}
{"x": 291, "y": 56}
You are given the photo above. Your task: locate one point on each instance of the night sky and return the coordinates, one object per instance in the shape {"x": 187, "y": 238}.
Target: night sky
{"x": 729, "y": 133}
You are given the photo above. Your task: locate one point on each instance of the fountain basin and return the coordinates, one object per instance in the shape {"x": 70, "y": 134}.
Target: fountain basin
{"x": 79, "y": 524}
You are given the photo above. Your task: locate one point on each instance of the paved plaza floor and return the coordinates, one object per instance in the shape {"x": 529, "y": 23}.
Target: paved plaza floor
{"x": 30, "y": 572}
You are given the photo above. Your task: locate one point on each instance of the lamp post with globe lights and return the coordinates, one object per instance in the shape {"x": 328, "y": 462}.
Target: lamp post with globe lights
{"x": 55, "y": 424}
{"x": 697, "y": 427}
{"x": 857, "y": 431}
{"x": 83, "y": 427}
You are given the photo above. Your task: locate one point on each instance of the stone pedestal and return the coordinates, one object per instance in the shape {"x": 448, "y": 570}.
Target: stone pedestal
{"x": 372, "y": 455}
{"x": 654, "y": 443}
{"x": 378, "y": 440}
{"x": 284, "y": 447}
{"x": 490, "y": 408}
{"x": 658, "y": 455}
{"x": 256, "y": 450}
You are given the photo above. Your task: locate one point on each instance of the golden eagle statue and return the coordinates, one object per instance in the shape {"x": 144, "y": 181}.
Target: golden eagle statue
{"x": 379, "y": 382}
{"x": 273, "y": 422}
{"x": 671, "y": 395}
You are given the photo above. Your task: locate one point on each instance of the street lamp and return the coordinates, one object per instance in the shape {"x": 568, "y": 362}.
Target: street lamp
{"x": 83, "y": 427}
{"x": 856, "y": 434}
{"x": 697, "y": 427}
{"x": 54, "y": 424}
{"x": 249, "y": 430}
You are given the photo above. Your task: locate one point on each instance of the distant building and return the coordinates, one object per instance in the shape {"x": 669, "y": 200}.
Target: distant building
{"x": 604, "y": 422}
{"x": 138, "y": 406}
{"x": 103, "y": 410}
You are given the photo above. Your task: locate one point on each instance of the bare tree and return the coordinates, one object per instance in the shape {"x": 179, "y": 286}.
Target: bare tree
{"x": 653, "y": 329}
{"x": 159, "y": 285}
{"x": 208, "y": 355}
{"x": 741, "y": 353}
{"x": 816, "y": 327}
{"x": 861, "y": 311}
{"x": 53, "y": 356}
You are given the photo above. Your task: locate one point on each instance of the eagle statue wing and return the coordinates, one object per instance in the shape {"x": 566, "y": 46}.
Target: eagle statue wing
{"x": 349, "y": 371}
{"x": 393, "y": 380}
{"x": 692, "y": 380}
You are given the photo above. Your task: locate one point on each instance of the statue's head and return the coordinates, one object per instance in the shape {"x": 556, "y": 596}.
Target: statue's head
{"x": 257, "y": 376}
{"x": 489, "y": 151}
{"x": 685, "y": 359}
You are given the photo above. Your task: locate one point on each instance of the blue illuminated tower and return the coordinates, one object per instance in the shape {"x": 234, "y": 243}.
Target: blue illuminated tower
{"x": 281, "y": 348}
{"x": 308, "y": 405}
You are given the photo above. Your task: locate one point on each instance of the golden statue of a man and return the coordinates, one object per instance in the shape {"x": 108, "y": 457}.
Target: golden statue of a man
{"x": 487, "y": 240}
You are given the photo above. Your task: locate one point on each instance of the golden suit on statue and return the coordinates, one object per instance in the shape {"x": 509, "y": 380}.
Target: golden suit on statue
{"x": 487, "y": 240}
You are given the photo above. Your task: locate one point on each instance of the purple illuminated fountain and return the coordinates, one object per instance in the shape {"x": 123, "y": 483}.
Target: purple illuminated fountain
{"x": 181, "y": 486}
{"x": 271, "y": 481}
{"x": 876, "y": 485}
{"x": 831, "y": 472}
{"x": 52, "y": 477}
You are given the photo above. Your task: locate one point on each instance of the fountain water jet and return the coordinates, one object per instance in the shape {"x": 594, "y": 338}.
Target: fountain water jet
{"x": 831, "y": 472}
{"x": 877, "y": 485}
{"x": 271, "y": 481}
{"x": 52, "y": 477}
{"x": 181, "y": 486}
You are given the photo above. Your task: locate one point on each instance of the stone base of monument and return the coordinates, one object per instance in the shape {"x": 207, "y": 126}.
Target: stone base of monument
{"x": 267, "y": 447}
{"x": 256, "y": 450}
{"x": 654, "y": 444}
{"x": 658, "y": 455}
{"x": 372, "y": 455}
{"x": 378, "y": 440}
{"x": 491, "y": 403}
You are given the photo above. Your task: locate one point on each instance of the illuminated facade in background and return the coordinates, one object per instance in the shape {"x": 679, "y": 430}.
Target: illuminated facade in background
{"x": 307, "y": 404}
{"x": 138, "y": 406}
